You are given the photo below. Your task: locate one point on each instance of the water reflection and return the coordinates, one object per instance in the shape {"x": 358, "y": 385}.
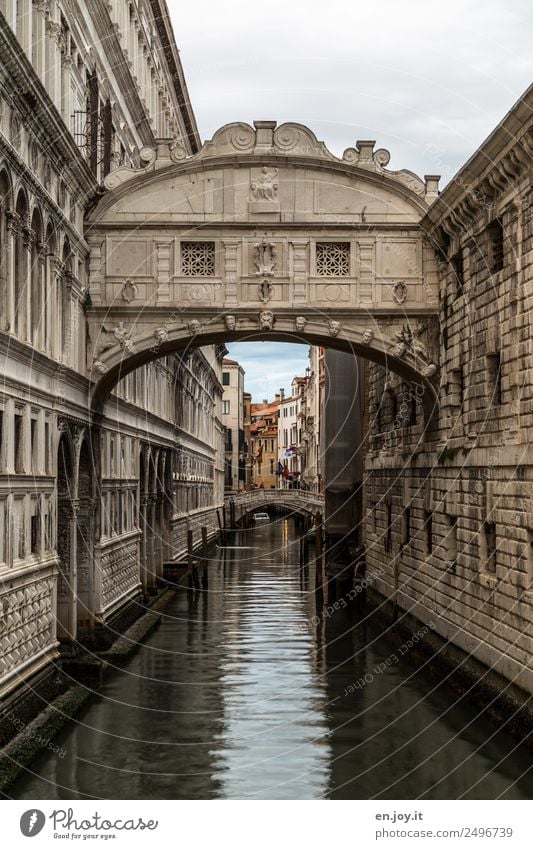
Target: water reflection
{"x": 243, "y": 693}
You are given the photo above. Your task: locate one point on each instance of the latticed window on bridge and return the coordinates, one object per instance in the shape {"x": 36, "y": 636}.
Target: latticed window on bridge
{"x": 333, "y": 259}
{"x": 197, "y": 259}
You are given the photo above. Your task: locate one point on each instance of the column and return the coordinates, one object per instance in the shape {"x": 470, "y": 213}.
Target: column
{"x": 230, "y": 272}
{"x": 25, "y": 327}
{"x": 164, "y": 247}
{"x": 39, "y": 38}
{"x": 299, "y": 270}
{"x": 12, "y": 225}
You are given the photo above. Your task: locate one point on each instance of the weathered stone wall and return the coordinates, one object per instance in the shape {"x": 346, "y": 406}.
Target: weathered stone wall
{"x": 449, "y": 513}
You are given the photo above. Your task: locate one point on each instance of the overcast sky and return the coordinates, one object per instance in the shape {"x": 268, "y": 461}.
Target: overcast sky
{"x": 428, "y": 80}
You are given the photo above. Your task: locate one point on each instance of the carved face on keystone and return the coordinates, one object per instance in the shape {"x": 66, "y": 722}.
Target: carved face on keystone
{"x": 266, "y": 320}
{"x": 230, "y": 322}
{"x": 194, "y": 326}
{"x": 300, "y": 323}
{"x": 368, "y": 335}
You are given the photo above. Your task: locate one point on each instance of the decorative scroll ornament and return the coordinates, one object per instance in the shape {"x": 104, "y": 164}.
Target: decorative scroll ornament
{"x": 265, "y": 258}
{"x": 266, "y": 290}
{"x": 265, "y": 186}
{"x": 334, "y": 327}
{"x": 399, "y": 292}
{"x": 230, "y": 322}
{"x": 100, "y": 367}
{"x": 129, "y": 291}
{"x": 300, "y": 321}
{"x": 266, "y": 320}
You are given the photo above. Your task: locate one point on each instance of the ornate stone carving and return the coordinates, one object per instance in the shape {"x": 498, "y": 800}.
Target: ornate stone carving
{"x": 123, "y": 337}
{"x": 334, "y": 327}
{"x": 266, "y": 290}
{"x": 195, "y": 327}
{"x": 333, "y": 259}
{"x": 430, "y": 370}
{"x": 230, "y": 322}
{"x": 399, "y": 292}
{"x": 197, "y": 259}
{"x": 368, "y": 335}
{"x": 161, "y": 335}
{"x": 266, "y": 320}
{"x": 299, "y": 322}
{"x": 121, "y": 175}
{"x": 265, "y": 186}
{"x": 265, "y": 258}
{"x": 129, "y": 291}
{"x": 100, "y": 367}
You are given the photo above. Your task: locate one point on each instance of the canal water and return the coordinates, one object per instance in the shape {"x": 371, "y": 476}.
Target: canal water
{"x": 242, "y": 694}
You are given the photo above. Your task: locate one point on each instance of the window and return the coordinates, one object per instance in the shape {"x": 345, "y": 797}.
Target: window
{"x": 272, "y": 467}
{"x": 457, "y": 389}
{"x": 33, "y": 445}
{"x": 19, "y": 445}
{"x": 494, "y": 378}
{"x": 495, "y": 234}
{"x": 428, "y": 522}
{"x": 333, "y": 259}
{"x": 458, "y": 271}
{"x": 35, "y": 531}
{"x": 225, "y": 378}
{"x": 197, "y": 259}
{"x": 387, "y": 542}
{"x": 225, "y": 408}
{"x": 489, "y": 531}
{"x": 407, "y": 526}
{"x": 451, "y": 543}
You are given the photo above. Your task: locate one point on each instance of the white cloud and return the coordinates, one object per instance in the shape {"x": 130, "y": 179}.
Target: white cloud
{"x": 428, "y": 80}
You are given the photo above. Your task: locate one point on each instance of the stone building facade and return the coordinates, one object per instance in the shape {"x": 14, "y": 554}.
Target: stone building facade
{"x": 88, "y": 510}
{"x": 449, "y": 507}
{"x": 233, "y": 416}
{"x": 264, "y": 444}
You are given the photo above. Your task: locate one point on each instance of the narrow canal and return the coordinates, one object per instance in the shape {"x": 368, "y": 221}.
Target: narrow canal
{"x": 239, "y": 694}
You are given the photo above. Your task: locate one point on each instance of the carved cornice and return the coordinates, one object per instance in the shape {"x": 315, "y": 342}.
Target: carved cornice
{"x": 501, "y": 161}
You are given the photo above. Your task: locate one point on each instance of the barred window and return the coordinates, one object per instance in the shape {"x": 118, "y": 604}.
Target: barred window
{"x": 197, "y": 259}
{"x": 333, "y": 259}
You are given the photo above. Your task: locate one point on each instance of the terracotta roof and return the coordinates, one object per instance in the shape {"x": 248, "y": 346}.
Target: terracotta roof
{"x": 227, "y": 362}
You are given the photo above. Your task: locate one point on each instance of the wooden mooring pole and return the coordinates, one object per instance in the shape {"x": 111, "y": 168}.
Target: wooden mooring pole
{"x": 205, "y": 570}
{"x": 192, "y": 571}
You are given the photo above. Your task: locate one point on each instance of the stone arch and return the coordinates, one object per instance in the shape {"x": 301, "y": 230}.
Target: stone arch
{"x": 381, "y": 348}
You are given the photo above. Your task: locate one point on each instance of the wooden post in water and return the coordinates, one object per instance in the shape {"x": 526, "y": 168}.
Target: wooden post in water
{"x": 319, "y": 555}
{"x": 205, "y": 571}
{"x": 192, "y": 571}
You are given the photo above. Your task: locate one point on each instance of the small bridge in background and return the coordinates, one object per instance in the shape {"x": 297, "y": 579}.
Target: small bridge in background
{"x": 294, "y": 500}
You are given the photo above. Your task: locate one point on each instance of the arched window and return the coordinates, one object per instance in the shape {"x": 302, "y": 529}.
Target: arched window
{"x": 36, "y": 281}
{"x": 51, "y": 316}
{"x": 21, "y": 268}
{"x": 65, "y": 301}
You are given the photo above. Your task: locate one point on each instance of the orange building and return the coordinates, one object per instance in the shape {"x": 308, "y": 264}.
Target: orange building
{"x": 264, "y": 444}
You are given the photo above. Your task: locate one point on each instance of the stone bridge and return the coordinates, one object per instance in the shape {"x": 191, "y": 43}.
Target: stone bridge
{"x": 297, "y": 501}
{"x": 263, "y": 234}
